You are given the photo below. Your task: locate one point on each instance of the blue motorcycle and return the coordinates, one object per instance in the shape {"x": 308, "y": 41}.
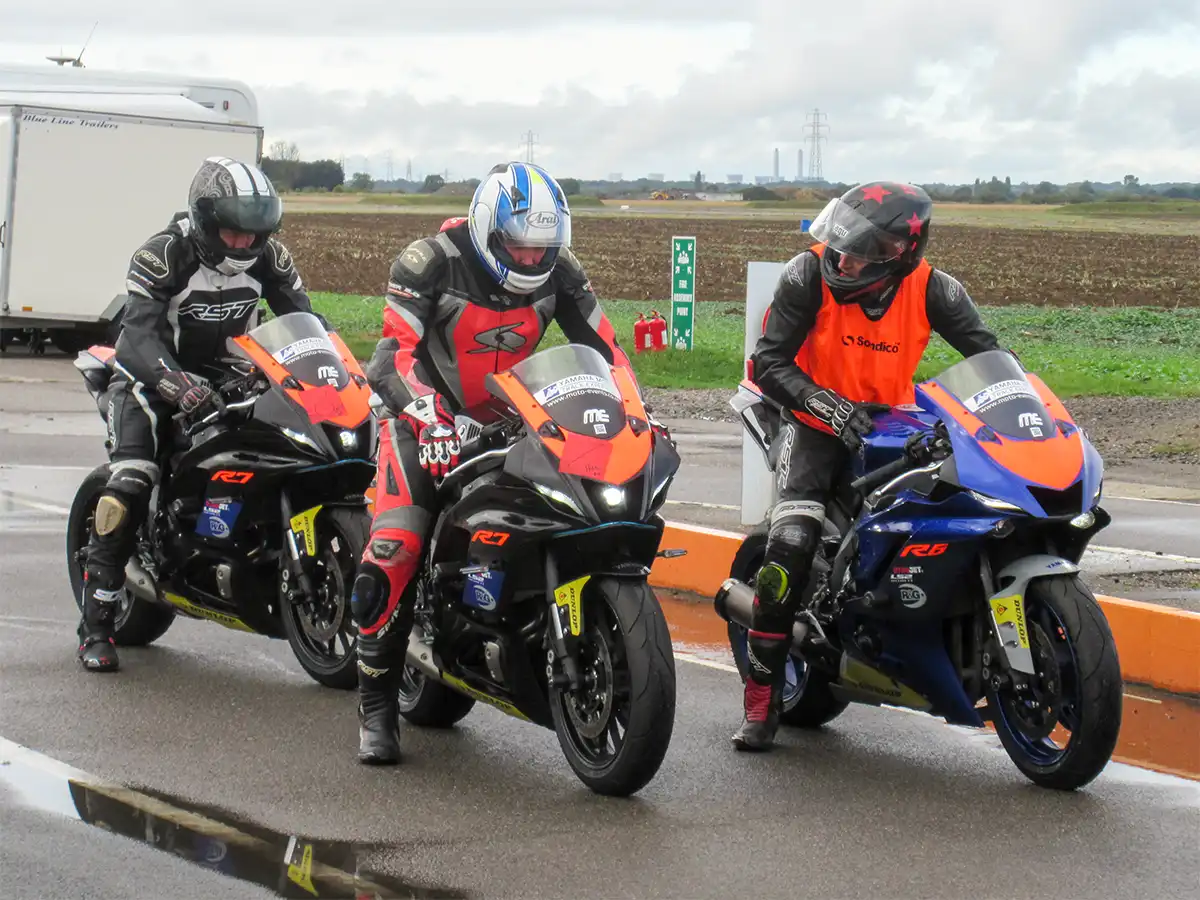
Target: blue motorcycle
{"x": 947, "y": 580}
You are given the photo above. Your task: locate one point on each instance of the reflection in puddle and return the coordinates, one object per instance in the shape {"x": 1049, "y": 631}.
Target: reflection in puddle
{"x": 289, "y": 865}
{"x": 1159, "y": 731}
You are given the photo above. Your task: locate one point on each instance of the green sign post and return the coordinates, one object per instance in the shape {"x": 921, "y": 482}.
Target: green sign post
{"x": 683, "y": 292}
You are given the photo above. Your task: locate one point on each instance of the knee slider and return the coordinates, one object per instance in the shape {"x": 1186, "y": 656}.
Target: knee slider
{"x": 772, "y": 584}
{"x": 368, "y": 600}
{"x": 123, "y": 501}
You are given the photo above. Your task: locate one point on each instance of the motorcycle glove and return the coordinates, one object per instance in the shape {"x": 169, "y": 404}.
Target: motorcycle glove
{"x": 440, "y": 449}
{"x": 849, "y": 421}
{"x": 186, "y": 391}
{"x": 432, "y": 422}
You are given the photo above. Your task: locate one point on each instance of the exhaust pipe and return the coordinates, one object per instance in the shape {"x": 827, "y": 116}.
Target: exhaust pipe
{"x": 140, "y": 584}
{"x": 420, "y": 654}
{"x": 734, "y": 603}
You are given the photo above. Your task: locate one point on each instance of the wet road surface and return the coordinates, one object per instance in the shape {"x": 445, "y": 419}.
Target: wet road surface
{"x": 882, "y": 799}
{"x": 882, "y": 802}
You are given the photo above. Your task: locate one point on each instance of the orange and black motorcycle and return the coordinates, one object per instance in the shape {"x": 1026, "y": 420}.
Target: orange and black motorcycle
{"x": 260, "y": 516}
{"x": 533, "y": 593}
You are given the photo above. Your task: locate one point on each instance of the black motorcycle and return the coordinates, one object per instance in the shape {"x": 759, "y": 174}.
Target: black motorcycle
{"x": 533, "y": 593}
{"x": 260, "y": 516}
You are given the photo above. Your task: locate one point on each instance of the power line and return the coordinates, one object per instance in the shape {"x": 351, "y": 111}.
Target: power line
{"x": 389, "y": 165}
{"x": 815, "y": 137}
{"x": 529, "y": 139}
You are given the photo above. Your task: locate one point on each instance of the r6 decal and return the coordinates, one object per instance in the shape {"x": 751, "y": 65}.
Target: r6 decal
{"x": 924, "y": 550}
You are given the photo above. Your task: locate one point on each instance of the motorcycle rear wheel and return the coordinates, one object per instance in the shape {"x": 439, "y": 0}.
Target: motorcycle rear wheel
{"x": 615, "y": 730}
{"x": 807, "y": 701}
{"x": 138, "y": 622}
{"x": 1078, "y": 686}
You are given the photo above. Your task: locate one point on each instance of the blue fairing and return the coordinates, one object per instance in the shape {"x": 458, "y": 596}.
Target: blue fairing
{"x": 907, "y": 526}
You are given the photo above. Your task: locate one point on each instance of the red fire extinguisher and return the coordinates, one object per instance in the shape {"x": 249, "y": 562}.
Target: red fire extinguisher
{"x": 658, "y": 331}
{"x": 641, "y": 334}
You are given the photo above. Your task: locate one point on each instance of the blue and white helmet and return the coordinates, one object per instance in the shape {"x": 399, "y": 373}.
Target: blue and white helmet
{"x": 519, "y": 205}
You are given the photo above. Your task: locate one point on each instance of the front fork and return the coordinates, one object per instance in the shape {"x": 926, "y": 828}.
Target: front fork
{"x": 566, "y": 626}
{"x": 300, "y": 543}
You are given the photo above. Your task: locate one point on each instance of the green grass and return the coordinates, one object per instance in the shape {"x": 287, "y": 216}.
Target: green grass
{"x": 1184, "y": 209}
{"x": 1123, "y": 351}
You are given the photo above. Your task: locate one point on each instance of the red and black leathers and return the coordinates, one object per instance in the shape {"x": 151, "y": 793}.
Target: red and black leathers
{"x": 825, "y": 360}
{"x": 446, "y": 324}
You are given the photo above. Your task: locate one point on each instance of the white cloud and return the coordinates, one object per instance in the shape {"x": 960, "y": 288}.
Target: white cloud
{"x": 945, "y": 91}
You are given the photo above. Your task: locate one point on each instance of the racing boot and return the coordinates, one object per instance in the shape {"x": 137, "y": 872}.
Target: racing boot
{"x": 97, "y": 651}
{"x": 763, "y": 697}
{"x": 378, "y": 715}
{"x": 119, "y": 513}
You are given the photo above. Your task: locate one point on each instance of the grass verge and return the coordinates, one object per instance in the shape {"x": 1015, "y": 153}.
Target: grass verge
{"x": 1122, "y": 351}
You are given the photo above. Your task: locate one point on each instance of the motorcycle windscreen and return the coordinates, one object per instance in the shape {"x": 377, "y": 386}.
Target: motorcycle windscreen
{"x": 298, "y": 343}
{"x": 994, "y": 388}
{"x": 574, "y": 385}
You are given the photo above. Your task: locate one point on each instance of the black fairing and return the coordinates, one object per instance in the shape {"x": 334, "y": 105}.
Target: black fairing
{"x": 497, "y": 517}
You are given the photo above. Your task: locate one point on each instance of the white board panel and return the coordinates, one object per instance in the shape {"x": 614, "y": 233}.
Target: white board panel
{"x": 90, "y": 188}
{"x": 758, "y": 487}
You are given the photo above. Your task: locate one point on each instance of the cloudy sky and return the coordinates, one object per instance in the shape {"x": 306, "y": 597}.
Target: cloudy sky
{"x": 941, "y": 90}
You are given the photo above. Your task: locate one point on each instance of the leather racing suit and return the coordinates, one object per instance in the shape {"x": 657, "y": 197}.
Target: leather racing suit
{"x": 819, "y": 359}
{"x": 446, "y": 324}
{"x": 177, "y": 319}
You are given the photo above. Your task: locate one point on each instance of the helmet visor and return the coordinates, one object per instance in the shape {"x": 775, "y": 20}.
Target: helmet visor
{"x": 535, "y": 228}
{"x": 252, "y": 214}
{"x": 849, "y": 232}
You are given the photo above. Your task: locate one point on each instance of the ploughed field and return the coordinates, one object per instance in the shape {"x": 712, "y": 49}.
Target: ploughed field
{"x": 627, "y": 258}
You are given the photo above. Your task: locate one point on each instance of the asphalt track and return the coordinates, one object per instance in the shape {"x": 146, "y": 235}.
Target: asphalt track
{"x": 882, "y": 802}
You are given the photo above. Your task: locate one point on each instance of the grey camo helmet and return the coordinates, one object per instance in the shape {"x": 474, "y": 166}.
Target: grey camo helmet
{"x": 228, "y": 193}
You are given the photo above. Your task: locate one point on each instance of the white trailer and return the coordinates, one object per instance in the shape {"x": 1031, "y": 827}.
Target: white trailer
{"x": 232, "y": 99}
{"x": 86, "y": 175}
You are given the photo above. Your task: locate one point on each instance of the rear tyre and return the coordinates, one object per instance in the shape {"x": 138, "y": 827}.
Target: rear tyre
{"x": 808, "y": 701}
{"x": 615, "y": 730}
{"x": 1061, "y": 731}
{"x": 138, "y": 623}
{"x": 428, "y": 704}
{"x": 322, "y": 634}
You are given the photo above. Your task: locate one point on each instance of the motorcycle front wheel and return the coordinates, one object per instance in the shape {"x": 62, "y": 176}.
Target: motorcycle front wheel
{"x": 615, "y": 729}
{"x": 1062, "y": 728}
{"x": 321, "y": 632}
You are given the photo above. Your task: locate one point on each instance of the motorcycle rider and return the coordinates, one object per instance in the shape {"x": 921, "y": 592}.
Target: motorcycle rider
{"x": 190, "y": 286}
{"x": 846, "y": 329}
{"x": 475, "y": 298}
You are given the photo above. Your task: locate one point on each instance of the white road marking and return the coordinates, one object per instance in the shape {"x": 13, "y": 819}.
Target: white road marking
{"x": 1192, "y": 503}
{"x": 702, "y": 504}
{"x": 1145, "y": 554}
{"x": 35, "y": 504}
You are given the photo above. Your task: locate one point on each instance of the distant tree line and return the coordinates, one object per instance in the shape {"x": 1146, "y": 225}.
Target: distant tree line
{"x": 284, "y": 167}
{"x": 282, "y": 164}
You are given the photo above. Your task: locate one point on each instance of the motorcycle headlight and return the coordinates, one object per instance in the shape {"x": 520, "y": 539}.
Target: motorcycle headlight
{"x": 993, "y": 503}
{"x": 558, "y": 497}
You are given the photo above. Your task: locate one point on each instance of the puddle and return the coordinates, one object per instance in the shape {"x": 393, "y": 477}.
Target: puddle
{"x": 289, "y": 865}
{"x": 1159, "y": 731}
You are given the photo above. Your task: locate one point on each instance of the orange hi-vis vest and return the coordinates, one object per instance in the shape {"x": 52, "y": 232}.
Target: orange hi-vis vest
{"x": 865, "y": 361}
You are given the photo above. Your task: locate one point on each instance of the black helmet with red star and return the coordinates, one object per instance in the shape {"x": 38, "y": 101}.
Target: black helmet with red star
{"x": 881, "y": 229}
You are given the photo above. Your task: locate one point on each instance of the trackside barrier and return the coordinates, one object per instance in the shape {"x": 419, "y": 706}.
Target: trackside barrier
{"x": 1158, "y": 646}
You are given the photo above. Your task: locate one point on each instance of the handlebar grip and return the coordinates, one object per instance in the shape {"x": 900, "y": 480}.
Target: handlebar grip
{"x": 882, "y": 474}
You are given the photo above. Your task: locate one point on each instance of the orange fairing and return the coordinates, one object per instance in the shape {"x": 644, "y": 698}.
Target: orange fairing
{"x": 615, "y": 461}
{"x": 1056, "y": 462}
{"x": 347, "y": 408}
